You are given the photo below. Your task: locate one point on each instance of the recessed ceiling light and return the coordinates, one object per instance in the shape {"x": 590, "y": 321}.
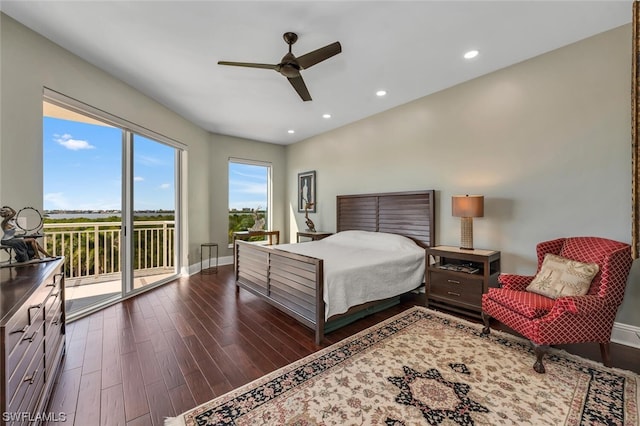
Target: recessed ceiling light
{"x": 291, "y": 131}
{"x": 326, "y": 115}
{"x": 381, "y": 93}
{"x": 471, "y": 54}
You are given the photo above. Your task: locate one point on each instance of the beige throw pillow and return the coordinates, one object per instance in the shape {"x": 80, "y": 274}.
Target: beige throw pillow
{"x": 560, "y": 277}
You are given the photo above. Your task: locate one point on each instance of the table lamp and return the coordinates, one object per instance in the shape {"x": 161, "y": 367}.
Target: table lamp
{"x": 466, "y": 207}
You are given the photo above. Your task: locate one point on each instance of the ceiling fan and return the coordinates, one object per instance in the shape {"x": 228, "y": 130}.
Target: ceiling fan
{"x": 290, "y": 66}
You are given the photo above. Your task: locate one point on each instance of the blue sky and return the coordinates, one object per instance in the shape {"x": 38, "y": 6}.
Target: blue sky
{"x": 247, "y": 186}
{"x": 83, "y": 169}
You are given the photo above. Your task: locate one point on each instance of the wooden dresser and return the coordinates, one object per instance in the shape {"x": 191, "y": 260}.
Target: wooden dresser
{"x": 32, "y": 337}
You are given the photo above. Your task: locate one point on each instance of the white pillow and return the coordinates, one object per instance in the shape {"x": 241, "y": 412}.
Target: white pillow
{"x": 372, "y": 240}
{"x": 560, "y": 277}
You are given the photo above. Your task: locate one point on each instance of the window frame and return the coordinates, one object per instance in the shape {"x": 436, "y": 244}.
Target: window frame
{"x": 269, "y": 207}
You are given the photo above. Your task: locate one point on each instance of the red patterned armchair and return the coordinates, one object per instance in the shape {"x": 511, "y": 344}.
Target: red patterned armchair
{"x": 569, "y": 319}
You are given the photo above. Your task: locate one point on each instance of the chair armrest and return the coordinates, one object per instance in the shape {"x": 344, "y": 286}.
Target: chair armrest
{"x": 579, "y": 305}
{"x": 515, "y": 282}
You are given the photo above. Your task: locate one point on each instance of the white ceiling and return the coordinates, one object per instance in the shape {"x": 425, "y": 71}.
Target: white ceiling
{"x": 169, "y": 50}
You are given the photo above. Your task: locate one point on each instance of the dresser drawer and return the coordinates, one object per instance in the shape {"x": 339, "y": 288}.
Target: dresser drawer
{"x": 34, "y": 391}
{"x": 455, "y": 288}
{"x": 54, "y": 337}
{"x": 31, "y": 315}
{"x": 28, "y": 335}
{"x": 25, "y": 322}
{"x": 27, "y": 383}
{"x": 22, "y": 359}
{"x": 52, "y": 306}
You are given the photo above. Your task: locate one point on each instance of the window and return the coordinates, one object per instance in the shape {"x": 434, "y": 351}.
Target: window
{"x": 249, "y": 196}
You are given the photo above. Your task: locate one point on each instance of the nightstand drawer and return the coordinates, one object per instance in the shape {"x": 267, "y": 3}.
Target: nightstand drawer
{"x": 455, "y": 288}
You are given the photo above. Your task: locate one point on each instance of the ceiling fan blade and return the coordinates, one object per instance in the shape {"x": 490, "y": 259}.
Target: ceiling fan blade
{"x": 319, "y": 55}
{"x": 301, "y": 88}
{"x": 249, "y": 65}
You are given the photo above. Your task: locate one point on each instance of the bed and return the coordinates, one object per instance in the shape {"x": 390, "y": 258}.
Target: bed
{"x": 293, "y": 280}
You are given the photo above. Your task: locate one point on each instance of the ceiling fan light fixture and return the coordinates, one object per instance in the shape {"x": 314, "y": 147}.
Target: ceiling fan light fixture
{"x": 471, "y": 54}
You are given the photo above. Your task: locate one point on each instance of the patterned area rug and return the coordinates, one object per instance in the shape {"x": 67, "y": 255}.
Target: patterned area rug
{"x": 425, "y": 367}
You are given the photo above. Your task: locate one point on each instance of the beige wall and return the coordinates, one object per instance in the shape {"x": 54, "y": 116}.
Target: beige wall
{"x": 546, "y": 141}
{"x": 31, "y": 62}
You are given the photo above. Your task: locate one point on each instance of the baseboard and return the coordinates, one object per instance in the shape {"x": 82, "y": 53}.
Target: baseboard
{"x": 226, "y": 260}
{"x": 625, "y": 334}
{"x": 195, "y": 268}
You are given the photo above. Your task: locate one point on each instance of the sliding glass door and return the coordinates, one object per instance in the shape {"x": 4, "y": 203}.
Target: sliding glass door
{"x": 154, "y": 207}
{"x": 110, "y": 203}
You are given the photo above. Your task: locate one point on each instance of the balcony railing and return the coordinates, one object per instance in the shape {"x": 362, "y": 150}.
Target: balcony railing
{"x": 93, "y": 249}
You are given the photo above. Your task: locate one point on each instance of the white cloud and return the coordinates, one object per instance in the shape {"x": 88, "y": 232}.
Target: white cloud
{"x": 68, "y": 142}
{"x": 165, "y": 186}
{"x": 138, "y": 178}
{"x": 56, "y": 201}
{"x": 240, "y": 187}
{"x": 149, "y": 161}
{"x": 254, "y": 176}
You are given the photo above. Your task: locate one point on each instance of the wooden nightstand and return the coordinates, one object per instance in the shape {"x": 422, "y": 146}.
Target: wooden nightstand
{"x": 458, "y": 278}
{"x": 317, "y": 235}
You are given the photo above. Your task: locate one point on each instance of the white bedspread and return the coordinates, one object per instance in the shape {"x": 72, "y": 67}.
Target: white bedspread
{"x": 362, "y": 266}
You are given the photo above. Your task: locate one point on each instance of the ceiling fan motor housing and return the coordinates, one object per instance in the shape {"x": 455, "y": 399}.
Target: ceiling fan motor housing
{"x": 289, "y": 66}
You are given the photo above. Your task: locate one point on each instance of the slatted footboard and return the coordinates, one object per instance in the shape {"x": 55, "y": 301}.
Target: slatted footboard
{"x": 291, "y": 282}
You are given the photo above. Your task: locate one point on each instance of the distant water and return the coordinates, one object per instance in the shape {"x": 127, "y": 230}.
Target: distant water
{"x": 97, "y": 215}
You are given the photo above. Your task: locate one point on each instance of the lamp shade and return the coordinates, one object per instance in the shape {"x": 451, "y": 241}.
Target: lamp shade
{"x": 467, "y": 205}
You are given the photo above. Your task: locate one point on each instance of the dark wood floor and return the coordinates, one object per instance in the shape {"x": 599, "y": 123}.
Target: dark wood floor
{"x": 180, "y": 345}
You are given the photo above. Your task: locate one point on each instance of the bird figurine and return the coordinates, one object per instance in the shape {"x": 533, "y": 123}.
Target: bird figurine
{"x": 311, "y": 227}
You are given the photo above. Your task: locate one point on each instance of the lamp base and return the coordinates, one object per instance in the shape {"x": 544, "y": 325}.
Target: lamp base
{"x": 466, "y": 233}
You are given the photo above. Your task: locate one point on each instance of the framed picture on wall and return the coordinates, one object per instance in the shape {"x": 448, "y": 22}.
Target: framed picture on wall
{"x": 307, "y": 190}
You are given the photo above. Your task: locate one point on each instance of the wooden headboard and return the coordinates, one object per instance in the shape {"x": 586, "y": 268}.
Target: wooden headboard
{"x": 411, "y": 214}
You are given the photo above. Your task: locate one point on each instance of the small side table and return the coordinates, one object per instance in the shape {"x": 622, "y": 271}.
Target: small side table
{"x": 315, "y": 235}
{"x": 458, "y": 278}
{"x": 209, "y": 269}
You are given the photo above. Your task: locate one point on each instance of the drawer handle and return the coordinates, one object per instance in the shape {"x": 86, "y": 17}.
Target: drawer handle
{"x": 453, "y": 281}
{"x": 453, "y": 294}
{"x": 55, "y": 280}
{"x": 31, "y": 378}
{"x": 38, "y": 306}
{"x": 30, "y": 338}
{"x": 22, "y": 330}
